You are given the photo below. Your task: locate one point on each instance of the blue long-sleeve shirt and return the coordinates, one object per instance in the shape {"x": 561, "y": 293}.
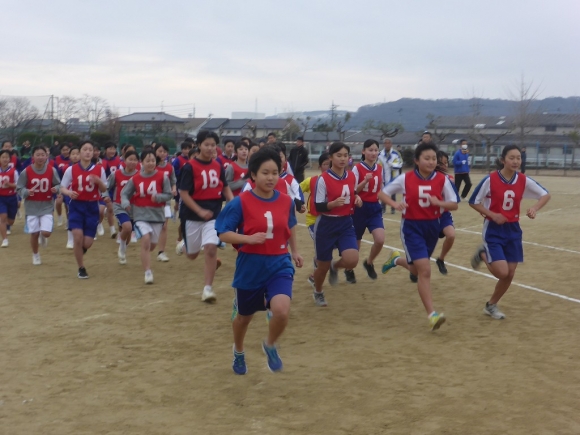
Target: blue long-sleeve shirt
{"x": 460, "y": 162}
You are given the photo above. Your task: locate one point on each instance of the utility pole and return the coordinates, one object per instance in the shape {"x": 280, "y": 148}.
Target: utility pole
{"x": 333, "y": 108}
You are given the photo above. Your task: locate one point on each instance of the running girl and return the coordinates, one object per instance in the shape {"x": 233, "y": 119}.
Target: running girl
{"x": 369, "y": 179}
{"x": 498, "y": 197}
{"x": 145, "y": 195}
{"x": 202, "y": 188}
{"x": 264, "y": 272}
{"x": 115, "y": 184}
{"x": 236, "y": 171}
{"x": 8, "y": 197}
{"x": 161, "y": 152}
{"x": 62, "y": 161}
{"x": 309, "y": 186}
{"x": 74, "y": 157}
{"x": 425, "y": 193}
{"x": 84, "y": 182}
{"x": 37, "y": 184}
{"x": 335, "y": 200}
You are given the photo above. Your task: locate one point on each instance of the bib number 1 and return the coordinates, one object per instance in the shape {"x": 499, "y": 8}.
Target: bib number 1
{"x": 269, "y": 225}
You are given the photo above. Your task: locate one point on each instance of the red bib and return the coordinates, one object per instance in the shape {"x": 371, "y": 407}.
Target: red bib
{"x": 120, "y": 181}
{"x": 336, "y": 188}
{"x": 207, "y": 184}
{"x": 370, "y": 192}
{"x": 80, "y": 182}
{"x": 146, "y": 187}
{"x": 39, "y": 185}
{"x": 417, "y": 196}
{"x": 8, "y": 177}
{"x": 506, "y": 198}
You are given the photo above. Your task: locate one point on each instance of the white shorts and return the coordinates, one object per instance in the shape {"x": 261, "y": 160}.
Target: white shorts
{"x": 154, "y": 228}
{"x": 198, "y": 234}
{"x": 168, "y": 213}
{"x": 35, "y": 224}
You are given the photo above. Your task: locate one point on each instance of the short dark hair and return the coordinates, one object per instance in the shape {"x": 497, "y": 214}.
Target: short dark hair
{"x": 146, "y": 151}
{"x": 5, "y": 152}
{"x": 161, "y": 145}
{"x": 185, "y": 145}
{"x": 241, "y": 144}
{"x": 300, "y": 138}
{"x": 86, "y": 141}
{"x": 189, "y": 139}
{"x": 422, "y": 147}
{"x": 323, "y": 158}
{"x": 282, "y": 147}
{"x": 131, "y": 153}
{"x": 192, "y": 152}
{"x": 336, "y": 147}
{"x": 227, "y": 141}
{"x": 37, "y": 148}
{"x": 5, "y": 142}
{"x": 427, "y": 132}
{"x": 206, "y": 134}
{"x": 110, "y": 145}
{"x": 263, "y": 155}
{"x": 271, "y": 134}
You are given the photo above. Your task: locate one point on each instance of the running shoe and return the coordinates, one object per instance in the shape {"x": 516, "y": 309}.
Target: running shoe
{"x": 163, "y": 257}
{"x": 350, "y": 276}
{"x": 36, "y": 261}
{"x": 319, "y": 299}
{"x": 4, "y": 243}
{"x": 239, "y": 364}
{"x": 70, "y": 244}
{"x": 413, "y": 278}
{"x": 370, "y": 268}
{"x": 493, "y": 311}
{"x": 113, "y": 232}
{"x": 59, "y": 221}
{"x": 476, "y": 258}
{"x": 436, "y": 320}
{"x": 121, "y": 256}
{"x": 208, "y": 295}
{"x": 274, "y": 361}
{"x": 390, "y": 263}
{"x": 100, "y": 230}
{"x": 441, "y": 265}
{"x": 311, "y": 280}
{"x": 179, "y": 248}
{"x": 148, "y": 277}
{"x": 332, "y": 274}
{"x": 83, "y": 273}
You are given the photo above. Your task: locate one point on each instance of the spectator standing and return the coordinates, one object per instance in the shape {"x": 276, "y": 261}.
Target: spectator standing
{"x": 461, "y": 168}
{"x": 299, "y": 159}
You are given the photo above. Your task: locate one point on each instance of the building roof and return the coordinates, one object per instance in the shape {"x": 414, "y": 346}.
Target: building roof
{"x": 214, "y": 123}
{"x": 501, "y": 122}
{"x": 151, "y": 117}
{"x": 235, "y": 124}
{"x": 269, "y": 124}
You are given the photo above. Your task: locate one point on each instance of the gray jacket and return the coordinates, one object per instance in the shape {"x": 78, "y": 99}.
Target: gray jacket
{"x": 146, "y": 214}
{"x": 112, "y": 187}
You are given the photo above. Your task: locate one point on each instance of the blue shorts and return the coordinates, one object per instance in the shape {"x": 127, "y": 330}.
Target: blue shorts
{"x": 445, "y": 221}
{"x": 102, "y": 202}
{"x": 369, "y": 216}
{"x": 311, "y": 231}
{"x": 333, "y": 233}
{"x": 503, "y": 242}
{"x": 84, "y": 215}
{"x": 66, "y": 199}
{"x": 122, "y": 218}
{"x": 9, "y": 205}
{"x": 419, "y": 238}
{"x": 253, "y": 300}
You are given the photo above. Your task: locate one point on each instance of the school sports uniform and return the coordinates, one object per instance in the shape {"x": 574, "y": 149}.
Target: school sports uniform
{"x": 370, "y": 215}
{"x": 111, "y": 165}
{"x": 148, "y": 214}
{"x": 309, "y": 186}
{"x": 61, "y": 163}
{"x": 34, "y": 186}
{"x": 8, "y": 197}
{"x": 170, "y": 174}
{"x": 281, "y": 186}
{"x": 204, "y": 182}
{"x": 499, "y": 195}
{"x": 446, "y": 219}
{"x": 235, "y": 174}
{"x": 263, "y": 270}
{"x": 115, "y": 184}
{"x": 293, "y": 189}
{"x": 334, "y": 228}
{"x": 420, "y": 220}
{"x": 84, "y": 210}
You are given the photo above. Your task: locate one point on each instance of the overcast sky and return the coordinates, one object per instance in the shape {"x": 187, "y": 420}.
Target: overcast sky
{"x": 290, "y": 55}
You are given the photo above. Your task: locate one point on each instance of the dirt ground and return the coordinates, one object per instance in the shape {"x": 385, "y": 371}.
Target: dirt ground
{"x": 110, "y": 355}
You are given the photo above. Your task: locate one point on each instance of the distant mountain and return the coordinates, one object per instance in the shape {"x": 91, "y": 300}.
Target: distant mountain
{"x": 412, "y": 112}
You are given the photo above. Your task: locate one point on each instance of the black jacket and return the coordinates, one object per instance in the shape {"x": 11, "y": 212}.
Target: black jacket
{"x": 298, "y": 159}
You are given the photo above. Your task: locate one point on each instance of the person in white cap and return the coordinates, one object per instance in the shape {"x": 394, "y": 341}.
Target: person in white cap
{"x": 461, "y": 168}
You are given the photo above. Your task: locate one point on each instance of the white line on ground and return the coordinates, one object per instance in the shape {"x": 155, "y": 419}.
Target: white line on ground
{"x": 464, "y": 230}
{"x": 96, "y": 316}
{"x": 487, "y": 275}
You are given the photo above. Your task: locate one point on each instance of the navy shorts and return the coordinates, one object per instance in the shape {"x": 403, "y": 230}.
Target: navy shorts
{"x": 102, "y": 202}
{"x": 84, "y": 215}
{"x": 445, "y": 221}
{"x": 123, "y": 217}
{"x": 333, "y": 233}
{"x": 253, "y": 300}
{"x": 9, "y": 205}
{"x": 66, "y": 199}
{"x": 419, "y": 238}
{"x": 369, "y": 216}
{"x": 503, "y": 242}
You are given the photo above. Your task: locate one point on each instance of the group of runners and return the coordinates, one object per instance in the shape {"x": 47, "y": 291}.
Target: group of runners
{"x": 259, "y": 217}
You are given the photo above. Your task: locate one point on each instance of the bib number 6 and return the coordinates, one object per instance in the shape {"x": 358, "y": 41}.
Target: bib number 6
{"x": 508, "y": 200}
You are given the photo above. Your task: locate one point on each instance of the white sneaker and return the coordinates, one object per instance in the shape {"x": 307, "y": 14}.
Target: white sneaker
{"x": 59, "y": 221}
{"x": 208, "y": 295}
{"x": 118, "y": 238}
{"x": 133, "y": 237}
{"x": 163, "y": 257}
{"x": 36, "y": 259}
{"x": 8, "y": 232}
{"x": 70, "y": 244}
{"x": 4, "y": 243}
{"x": 121, "y": 256}
{"x": 493, "y": 311}
{"x": 43, "y": 241}
{"x": 148, "y": 277}
{"x": 113, "y": 232}
{"x": 179, "y": 248}
{"x": 100, "y": 230}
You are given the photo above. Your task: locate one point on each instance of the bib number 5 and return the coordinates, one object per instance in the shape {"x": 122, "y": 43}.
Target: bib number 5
{"x": 424, "y": 196}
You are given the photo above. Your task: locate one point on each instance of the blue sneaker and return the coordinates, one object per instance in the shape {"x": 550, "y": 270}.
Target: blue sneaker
{"x": 390, "y": 263}
{"x": 274, "y": 361}
{"x": 239, "y": 364}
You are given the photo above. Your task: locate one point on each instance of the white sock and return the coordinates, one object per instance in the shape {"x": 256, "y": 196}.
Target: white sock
{"x": 69, "y": 236}
{"x": 123, "y": 246}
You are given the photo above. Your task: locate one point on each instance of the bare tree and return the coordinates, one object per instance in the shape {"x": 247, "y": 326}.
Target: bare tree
{"x": 340, "y": 125}
{"x": 387, "y": 129}
{"x": 439, "y": 134}
{"x": 68, "y": 107}
{"x": 93, "y": 109}
{"x": 479, "y": 135}
{"x": 525, "y": 95}
{"x": 110, "y": 124}
{"x": 16, "y": 115}
{"x": 304, "y": 124}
